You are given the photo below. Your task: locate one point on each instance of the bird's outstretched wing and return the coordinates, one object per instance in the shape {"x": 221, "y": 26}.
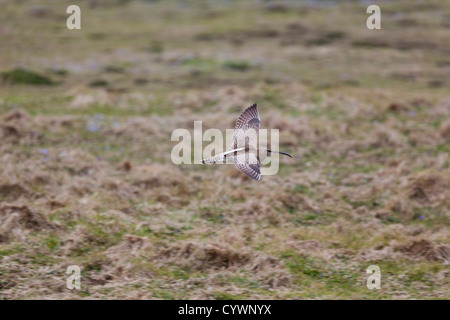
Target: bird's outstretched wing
{"x": 248, "y": 119}
{"x": 247, "y": 126}
{"x": 248, "y": 164}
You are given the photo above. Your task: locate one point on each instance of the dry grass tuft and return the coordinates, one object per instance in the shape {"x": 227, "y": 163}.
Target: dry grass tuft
{"x": 445, "y": 129}
{"x": 17, "y": 220}
{"x": 429, "y": 188}
{"x": 427, "y": 250}
{"x": 214, "y": 256}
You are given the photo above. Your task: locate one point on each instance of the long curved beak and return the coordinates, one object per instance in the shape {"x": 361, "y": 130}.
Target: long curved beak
{"x": 286, "y": 154}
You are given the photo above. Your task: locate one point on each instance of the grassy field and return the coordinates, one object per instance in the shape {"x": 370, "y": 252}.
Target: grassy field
{"x": 86, "y": 176}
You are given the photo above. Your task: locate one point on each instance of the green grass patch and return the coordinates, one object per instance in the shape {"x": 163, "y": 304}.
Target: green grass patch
{"x": 24, "y": 76}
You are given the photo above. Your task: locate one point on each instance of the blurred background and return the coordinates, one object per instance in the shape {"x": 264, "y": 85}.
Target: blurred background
{"x": 86, "y": 176}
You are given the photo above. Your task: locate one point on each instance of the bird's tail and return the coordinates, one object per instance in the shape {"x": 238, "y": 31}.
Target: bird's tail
{"x": 219, "y": 158}
{"x": 222, "y": 157}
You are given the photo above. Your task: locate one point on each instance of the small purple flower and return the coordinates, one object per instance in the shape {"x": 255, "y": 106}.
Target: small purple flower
{"x": 319, "y": 212}
{"x": 43, "y": 151}
{"x": 412, "y": 114}
{"x": 93, "y": 127}
{"x": 422, "y": 217}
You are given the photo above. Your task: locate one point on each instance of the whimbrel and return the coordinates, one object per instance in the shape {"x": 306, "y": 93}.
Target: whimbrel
{"x": 245, "y": 152}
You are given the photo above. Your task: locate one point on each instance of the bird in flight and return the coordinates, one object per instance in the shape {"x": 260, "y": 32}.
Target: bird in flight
{"x": 245, "y": 152}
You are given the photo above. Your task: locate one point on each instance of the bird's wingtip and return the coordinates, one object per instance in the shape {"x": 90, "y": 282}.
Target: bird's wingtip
{"x": 253, "y": 108}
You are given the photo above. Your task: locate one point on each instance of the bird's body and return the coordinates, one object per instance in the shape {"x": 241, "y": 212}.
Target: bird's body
{"x": 245, "y": 152}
